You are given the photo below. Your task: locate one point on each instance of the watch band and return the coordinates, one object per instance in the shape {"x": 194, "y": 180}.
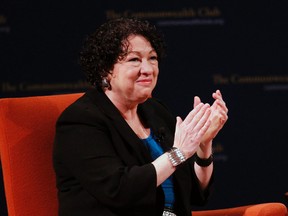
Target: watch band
{"x": 203, "y": 162}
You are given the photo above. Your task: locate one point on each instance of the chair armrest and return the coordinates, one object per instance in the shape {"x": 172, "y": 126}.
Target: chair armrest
{"x": 264, "y": 209}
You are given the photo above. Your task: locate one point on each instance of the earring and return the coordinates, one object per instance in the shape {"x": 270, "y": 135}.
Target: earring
{"x": 105, "y": 84}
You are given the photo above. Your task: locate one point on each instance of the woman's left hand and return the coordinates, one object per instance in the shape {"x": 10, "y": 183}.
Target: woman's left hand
{"x": 218, "y": 117}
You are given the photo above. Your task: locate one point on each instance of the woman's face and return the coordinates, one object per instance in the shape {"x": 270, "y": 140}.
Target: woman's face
{"x": 134, "y": 77}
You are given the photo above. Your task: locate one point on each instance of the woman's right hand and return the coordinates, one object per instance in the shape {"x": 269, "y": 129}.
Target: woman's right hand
{"x": 190, "y": 131}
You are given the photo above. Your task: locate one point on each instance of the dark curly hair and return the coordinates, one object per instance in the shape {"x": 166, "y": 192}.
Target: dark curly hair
{"x": 109, "y": 43}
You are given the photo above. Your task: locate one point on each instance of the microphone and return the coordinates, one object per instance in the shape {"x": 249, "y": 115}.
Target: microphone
{"x": 160, "y": 135}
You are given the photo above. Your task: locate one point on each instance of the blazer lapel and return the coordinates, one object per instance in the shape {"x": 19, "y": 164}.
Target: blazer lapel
{"x": 108, "y": 108}
{"x": 162, "y": 134}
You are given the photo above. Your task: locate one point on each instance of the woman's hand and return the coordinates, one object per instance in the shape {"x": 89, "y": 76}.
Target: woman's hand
{"x": 190, "y": 131}
{"x": 218, "y": 117}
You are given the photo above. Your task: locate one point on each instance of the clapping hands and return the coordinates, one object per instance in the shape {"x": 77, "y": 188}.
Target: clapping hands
{"x": 201, "y": 125}
{"x": 218, "y": 117}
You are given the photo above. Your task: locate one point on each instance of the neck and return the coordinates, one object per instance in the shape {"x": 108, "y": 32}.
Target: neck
{"x": 128, "y": 110}
{"x": 135, "y": 123}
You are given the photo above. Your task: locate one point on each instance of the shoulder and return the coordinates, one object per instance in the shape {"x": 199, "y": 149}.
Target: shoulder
{"x": 84, "y": 109}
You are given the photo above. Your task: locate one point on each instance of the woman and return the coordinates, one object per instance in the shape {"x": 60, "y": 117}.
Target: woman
{"x": 118, "y": 151}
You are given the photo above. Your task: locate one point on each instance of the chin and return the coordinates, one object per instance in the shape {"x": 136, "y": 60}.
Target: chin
{"x": 144, "y": 98}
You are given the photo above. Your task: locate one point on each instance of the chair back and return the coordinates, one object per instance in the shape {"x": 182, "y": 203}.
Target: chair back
{"x": 27, "y": 129}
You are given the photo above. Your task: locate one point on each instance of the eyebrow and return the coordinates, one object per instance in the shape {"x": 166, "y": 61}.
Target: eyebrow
{"x": 139, "y": 52}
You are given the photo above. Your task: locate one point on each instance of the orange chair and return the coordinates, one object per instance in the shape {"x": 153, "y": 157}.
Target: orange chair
{"x": 263, "y": 209}
{"x": 26, "y": 136}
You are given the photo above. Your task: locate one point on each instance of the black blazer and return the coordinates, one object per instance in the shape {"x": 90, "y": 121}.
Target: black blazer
{"x": 103, "y": 168}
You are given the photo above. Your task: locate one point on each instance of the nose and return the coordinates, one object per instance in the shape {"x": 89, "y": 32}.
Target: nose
{"x": 146, "y": 67}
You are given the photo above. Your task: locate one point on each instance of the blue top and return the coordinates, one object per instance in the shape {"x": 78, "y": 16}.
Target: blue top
{"x": 155, "y": 151}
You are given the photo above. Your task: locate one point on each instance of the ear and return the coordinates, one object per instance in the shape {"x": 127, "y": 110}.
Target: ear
{"x": 110, "y": 75}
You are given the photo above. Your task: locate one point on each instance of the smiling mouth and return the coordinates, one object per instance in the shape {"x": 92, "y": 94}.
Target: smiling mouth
{"x": 145, "y": 81}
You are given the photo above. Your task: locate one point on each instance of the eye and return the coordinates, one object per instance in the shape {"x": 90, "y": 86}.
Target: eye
{"x": 154, "y": 57}
{"x": 134, "y": 59}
